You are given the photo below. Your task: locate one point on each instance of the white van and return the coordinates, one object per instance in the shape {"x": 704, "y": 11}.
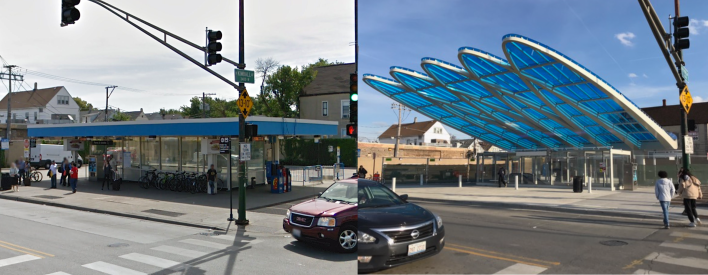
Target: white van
{"x": 44, "y": 154}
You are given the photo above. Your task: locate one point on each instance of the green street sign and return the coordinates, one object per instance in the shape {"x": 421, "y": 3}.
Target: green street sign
{"x": 244, "y": 76}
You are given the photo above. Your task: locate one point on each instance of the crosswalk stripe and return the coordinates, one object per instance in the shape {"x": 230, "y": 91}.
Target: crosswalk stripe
{"x": 206, "y": 243}
{"x": 180, "y": 251}
{"x": 521, "y": 269}
{"x": 151, "y": 260}
{"x": 59, "y": 273}
{"x": 112, "y": 269}
{"x": 693, "y": 247}
{"x": 688, "y": 261}
{"x": 18, "y": 259}
{"x": 689, "y": 235}
{"x": 233, "y": 238}
{"x": 644, "y": 271}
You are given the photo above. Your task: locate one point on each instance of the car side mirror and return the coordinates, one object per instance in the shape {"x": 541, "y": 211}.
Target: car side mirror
{"x": 404, "y": 197}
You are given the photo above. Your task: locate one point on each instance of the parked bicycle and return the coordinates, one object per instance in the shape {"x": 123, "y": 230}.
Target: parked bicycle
{"x": 35, "y": 175}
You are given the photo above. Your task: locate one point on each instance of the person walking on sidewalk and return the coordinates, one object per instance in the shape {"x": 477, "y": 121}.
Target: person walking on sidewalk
{"x": 664, "y": 191}
{"x": 65, "y": 167}
{"x": 22, "y": 165}
{"x": 211, "y": 177}
{"x": 501, "y": 173}
{"x": 107, "y": 173}
{"x": 362, "y": 172}
{"x": 53, "y": 174}
{"x": 690, "y": 190}
{"x": 73, "y": 176}
{"x": 14, "y": 173}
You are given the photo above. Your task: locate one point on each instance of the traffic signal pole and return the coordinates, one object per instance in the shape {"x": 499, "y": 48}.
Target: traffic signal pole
{"x": 241, "y": 126}
{"x": 686, "y": 158}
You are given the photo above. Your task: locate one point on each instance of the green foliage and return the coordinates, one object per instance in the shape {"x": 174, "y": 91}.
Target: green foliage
{"x": 119, "y": 116}
{"x": 83, "y": 105}
{"x": 217, "y": 108}
{"x": 307, "y": 152}
{"x": 170, "y": 111}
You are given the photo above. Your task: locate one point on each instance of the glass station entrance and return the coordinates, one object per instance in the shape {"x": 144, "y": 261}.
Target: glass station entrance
{"x": 604, "y": 167}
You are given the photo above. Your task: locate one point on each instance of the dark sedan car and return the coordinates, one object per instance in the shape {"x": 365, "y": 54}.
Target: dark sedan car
{"x": 393, "y": 231}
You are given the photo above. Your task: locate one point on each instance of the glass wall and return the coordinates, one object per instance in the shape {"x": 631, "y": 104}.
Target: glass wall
{"x": 150, "y": 155}
{"x": 131, "y": 161}
{"x": 191, "y": 154}
{"x": 169, "y": 155}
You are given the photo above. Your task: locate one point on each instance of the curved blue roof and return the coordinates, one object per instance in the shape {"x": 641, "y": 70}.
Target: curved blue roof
{"x": 535, "y": 98}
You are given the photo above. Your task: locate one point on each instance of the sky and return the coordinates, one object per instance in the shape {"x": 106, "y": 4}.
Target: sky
{"x": 611, "y": 38}
{"x": 102, "y": 48}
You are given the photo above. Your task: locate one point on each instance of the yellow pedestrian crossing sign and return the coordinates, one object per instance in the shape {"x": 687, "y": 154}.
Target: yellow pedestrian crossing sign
{"x": 244, "y": 103}
{"x": 686, "y": 99}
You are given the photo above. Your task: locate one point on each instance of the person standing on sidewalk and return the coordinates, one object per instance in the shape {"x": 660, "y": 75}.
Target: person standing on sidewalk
{"x": 73, "y": 176}
{"x": 21, "y": 166}
{"x": 211, "y": 177}
{"x": 501, "y": 173}
{"x": 107, "y": 173}
{"x": 14, "y": 172}
{"x": 362, "y": 172}
{"x": 690, "y": 190}
{"x": 65, "y": 167}
{"x": 664, "y": 191}
{"x": 53, "y": 174}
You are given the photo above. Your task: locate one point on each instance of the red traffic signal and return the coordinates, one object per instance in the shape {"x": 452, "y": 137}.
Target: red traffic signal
{"x": 351, "y": 130}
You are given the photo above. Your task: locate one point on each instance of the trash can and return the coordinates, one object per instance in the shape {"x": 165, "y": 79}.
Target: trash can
{"x": 26, "y": 181}
{"x": 6, "y": 182}
{"x": 578, "y": 184}
{"x": 253, "y": 183}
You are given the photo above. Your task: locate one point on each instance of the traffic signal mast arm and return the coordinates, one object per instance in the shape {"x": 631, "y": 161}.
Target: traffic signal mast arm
{"x": 163, "y": 41}
{"x": 661, "y": 36}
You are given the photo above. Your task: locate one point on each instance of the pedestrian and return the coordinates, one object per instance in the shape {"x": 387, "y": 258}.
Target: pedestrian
{"x": 664, "y": 191}
{"x": 53, "y": 174}
{"x": 362, "y": 172}
{"x": 14, "y": 173}
{"x": 211, "y": 177}
{"x": 21, "y": 166}
{"x": 690, "y": 190}
{"x": 107, "y": 173}
{"x": 678, "y": 179}
{"x": 74, "y": 176}
{"x": 64, "y": 172}
{"x": 501, "y": 173}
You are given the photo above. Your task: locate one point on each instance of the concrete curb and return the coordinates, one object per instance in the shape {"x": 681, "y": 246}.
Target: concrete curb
{"x": 553, "y": 208}
{"x": 140, "y": 217}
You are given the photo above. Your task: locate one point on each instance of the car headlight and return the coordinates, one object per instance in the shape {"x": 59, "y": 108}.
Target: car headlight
{"x": 327, "y": 221}
{"x": 439, "y": 220}
{"x": 287, "y": 214}
{"x": 365, "y": 238}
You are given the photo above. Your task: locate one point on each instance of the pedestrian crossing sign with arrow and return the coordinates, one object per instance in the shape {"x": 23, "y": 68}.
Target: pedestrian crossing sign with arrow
{"x": 686, "y": 99}
{"x": 244, "y": 103}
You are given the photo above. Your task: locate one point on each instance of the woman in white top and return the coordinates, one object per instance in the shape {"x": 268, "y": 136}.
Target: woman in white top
{"x": 14, "y": 173}
{"x": 53, "y": 174}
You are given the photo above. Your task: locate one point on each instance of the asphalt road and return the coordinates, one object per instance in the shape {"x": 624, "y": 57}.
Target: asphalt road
{"x": 488, "y": 241}
{"x": 279, "y": 209}
{"x": 37, "y": 239}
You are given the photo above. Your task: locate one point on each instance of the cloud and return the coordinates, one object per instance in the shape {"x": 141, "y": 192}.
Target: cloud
{"x": 632, "y": 75}
{"x": 697, "y": 99}
{"x": 625, "y": 38}
{"x": 645, "y": 76}
{"x": 696, "y": 26}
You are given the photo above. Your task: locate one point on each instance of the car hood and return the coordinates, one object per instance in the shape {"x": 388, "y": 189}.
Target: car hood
{"x": 317, "y": 207}
{"x": 393, "y": 216}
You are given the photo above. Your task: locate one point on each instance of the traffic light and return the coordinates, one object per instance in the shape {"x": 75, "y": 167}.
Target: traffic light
{"x": 681, "y": 33}
{"x": 69, "y": 13}
{"x": 353, "y": 98}
{"x": 351, "y": 130}
{"x": 213, "y": 47}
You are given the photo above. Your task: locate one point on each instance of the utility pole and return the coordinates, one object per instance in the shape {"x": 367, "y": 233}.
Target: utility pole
{"x": 10, "y": 77}
{"x": 400, "y": 108}
{"x": 686, "y": 158}
{"x": 204, "y": 104}
{"x": 241, "y": 125}
{"x": 107, "y": 96}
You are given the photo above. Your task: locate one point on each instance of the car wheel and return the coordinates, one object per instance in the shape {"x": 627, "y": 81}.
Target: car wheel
{"x": 347, "y": 239}
{"x": 47, "y": 165}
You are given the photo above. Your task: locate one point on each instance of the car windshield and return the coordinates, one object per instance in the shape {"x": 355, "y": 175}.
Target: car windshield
{"x": 377, "y": 196}
{"x": 340, "y": 192}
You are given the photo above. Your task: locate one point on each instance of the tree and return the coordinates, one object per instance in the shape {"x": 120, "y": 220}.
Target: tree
{"x": 170, "y": 111}
{"x": 118, "y": 116}
{"x": 83, "y": 105}
{"x": 263, "y": 68}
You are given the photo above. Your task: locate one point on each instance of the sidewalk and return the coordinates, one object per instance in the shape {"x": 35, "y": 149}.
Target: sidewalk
{"x": 199, "y": 210}
{"x": 640, "y": 203}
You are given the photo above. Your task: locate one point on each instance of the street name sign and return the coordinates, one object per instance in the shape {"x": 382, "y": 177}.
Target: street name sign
{"x": 684, "y": 73}
{"x": 686, "y": 99}
{"x": 224, "y": 145}
{"x": 244, "y": 103}
{"x": 244, "y": 76}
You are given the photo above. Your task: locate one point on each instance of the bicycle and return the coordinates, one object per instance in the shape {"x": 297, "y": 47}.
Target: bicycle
{"x": 35, "y": 175}
{"x": 148, "y": 179}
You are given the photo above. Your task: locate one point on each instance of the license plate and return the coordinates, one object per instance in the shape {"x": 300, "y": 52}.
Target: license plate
{"x": 416, "y": 248}
{"x": 296, "y": 233}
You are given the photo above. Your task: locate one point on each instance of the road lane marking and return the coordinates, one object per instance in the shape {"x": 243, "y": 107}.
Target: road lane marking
{"x": 112, "y": 269}
{"x": 644, "y": 271}
{"x": 154, "y": 261}
{"x": 59, "y": 273}
{"x": 21, "y": 251}
{"x": 18, "y": 259}
{"x": 180, "y": 251}
{"x": 521, "y": 269}
{"x": 633, "y": 264}
{"x": 688, "y": 261}
{"x": 690, "y": 235}
{"x": 206, "y": 244}
{"x": 25, "y": 248}
{"x": 233, "y": 238}
{"x": 502, "y": 254}
{"x": 494, "y": 257}
{"x": 693, "y": 247}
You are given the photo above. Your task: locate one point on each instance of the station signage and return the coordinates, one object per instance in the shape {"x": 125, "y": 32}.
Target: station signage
{"x": 224, "y": 145}
{"x": 102, "y": 142}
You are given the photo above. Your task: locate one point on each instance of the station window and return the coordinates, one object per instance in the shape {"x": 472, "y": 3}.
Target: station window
{"x": 325, "y": 108}
{"x": 345, "y": 108}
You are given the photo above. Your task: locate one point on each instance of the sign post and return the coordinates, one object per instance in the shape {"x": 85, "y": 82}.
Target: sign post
{"x": 225, "y": 148}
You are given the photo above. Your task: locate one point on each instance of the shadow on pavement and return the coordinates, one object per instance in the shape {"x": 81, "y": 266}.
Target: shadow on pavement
{"x": 319, "y": 251}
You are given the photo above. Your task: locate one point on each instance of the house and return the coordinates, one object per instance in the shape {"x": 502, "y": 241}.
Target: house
{"x": 475, "y": 145}
{"x": 159, "y": 116}
{"x": 93, "y": 116}
{"x": 669, "y": 118}
{"x": 429, "y": 133}
{"x": 41, "y": 106}
{"x": 328, "y": 94}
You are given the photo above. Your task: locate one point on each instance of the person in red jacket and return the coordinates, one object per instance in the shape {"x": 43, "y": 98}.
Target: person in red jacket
{"x": 73, "y": 176}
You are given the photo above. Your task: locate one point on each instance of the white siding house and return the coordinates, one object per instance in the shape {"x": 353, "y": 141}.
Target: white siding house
{"x": 41, "y": 106}
{"x": 418, "y": 133}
